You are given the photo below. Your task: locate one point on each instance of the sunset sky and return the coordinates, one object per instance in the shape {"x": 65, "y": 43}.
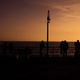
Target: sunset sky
{"x": 25, "y": 20}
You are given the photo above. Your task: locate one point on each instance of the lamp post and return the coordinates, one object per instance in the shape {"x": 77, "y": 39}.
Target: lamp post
{"x": 48, "y": 21}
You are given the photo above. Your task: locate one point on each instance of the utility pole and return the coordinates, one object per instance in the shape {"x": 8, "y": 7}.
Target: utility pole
{"x": 48, "y": 21}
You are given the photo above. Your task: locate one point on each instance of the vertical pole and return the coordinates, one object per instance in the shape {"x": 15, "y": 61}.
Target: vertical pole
{"x": 48, "y": 21}
{"x": 47, "y": 37}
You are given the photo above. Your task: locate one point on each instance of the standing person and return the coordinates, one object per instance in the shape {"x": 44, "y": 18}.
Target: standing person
{"x": 41, "y": 47}
{"x": 77, "y": 48}
{"x": 10, "y": 48}
{"x": 61, "y": 48}
{"x": 27, "y": 52}
{"x": 65, "y": 48}
{"x": 4, "y": 48}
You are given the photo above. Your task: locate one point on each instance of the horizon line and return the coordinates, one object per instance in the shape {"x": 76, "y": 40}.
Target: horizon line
{"x": 34, "y": 41}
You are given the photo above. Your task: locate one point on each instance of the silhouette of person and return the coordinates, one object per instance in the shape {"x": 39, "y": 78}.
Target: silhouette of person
{"x": 20, "y": 53}
{"x": 4, "y": 48}
{"x": 10, "y": 47}
{"x": 77, "y": 47}
{"x": 41, "y": 47}
{"x": 27, "y": 52}
{"x": 63, "y": 48}
{"x": 0, "y": 47}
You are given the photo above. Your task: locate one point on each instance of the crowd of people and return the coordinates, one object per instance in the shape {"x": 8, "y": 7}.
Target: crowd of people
{"x": 64, "y": 46}
{"x": 9, "y": 48}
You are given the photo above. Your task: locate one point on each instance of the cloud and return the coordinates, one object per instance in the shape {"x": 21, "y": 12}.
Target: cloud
{"x": 58, "y": 7}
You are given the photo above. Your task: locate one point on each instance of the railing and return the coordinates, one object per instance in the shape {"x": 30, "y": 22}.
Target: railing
{"x": 54, "y": 48}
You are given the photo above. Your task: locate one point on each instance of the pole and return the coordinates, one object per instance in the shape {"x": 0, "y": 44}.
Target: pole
{"x": 48, "y": 21}
{"x": 47, "y": 37}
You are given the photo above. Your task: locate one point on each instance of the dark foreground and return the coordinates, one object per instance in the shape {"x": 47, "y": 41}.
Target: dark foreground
{"x": 40, "y": 68}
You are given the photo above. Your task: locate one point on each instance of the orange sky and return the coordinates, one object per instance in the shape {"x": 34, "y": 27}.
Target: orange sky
{"x": 25, "y": 20}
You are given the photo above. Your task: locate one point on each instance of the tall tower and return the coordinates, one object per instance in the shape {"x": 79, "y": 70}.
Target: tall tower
{"x": 48, "y": 21}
